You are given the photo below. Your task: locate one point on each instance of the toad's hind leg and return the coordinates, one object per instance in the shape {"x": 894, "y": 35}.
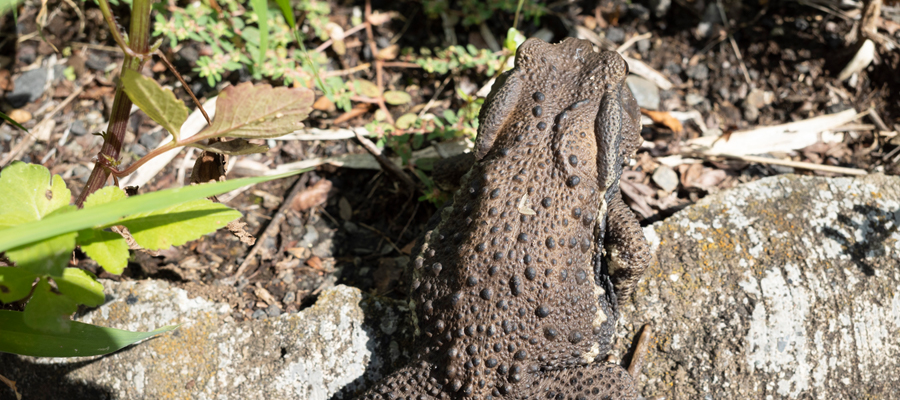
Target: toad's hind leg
{"x": 593, "y": 381}
{"x": 410, "y": 382}
{"x": 628, "y": 253}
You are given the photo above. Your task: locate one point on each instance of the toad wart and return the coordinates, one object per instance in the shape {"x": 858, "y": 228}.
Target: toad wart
{"x": 515, "y": 286}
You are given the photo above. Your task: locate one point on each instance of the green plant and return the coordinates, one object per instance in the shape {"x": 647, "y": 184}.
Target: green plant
{"x": 39, "y": 229}
{"x": 239, "y": 38}
{"x": 474, "y": 12}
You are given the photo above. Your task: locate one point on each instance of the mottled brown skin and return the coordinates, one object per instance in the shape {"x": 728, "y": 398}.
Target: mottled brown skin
{"x": 515, "y": 288}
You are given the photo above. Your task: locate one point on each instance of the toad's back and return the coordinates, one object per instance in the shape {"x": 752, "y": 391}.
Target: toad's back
{"x": 508, "y": 288}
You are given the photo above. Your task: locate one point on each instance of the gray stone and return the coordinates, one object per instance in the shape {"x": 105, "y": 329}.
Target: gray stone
{"x": 785, "y": 288}
{"x": 615, "y": 34}
{"x": 78, "y": 128}
{"x": 665, "y": 178}
{"x": 660, "y": 7}
{"x": 28, "y": 87}
{"x": 693, "y": 99}
{"x": 273, "y": 310}
{"x": 258, "y": 314}
{"x": 698, "y": 72}
{"x": 645, "y": 92}
{"x": 313, "y": 354}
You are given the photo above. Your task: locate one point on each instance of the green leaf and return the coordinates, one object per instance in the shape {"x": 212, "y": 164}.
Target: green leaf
{"x": 15, "y": 283}
{"x": 110, "y": 213}
{"x": 406, "y": 120}
{"x": 80, "y": 286}
{"x": 159, "y": 104}
{"x": 260, "y": 111}
{"x": 175, "y": 225}
{"x": 82, "y": 340}
{"x": 288, "y": 13}
{"x": 49, "y": 311}
{"x": 109, "y": 249}
{"x": 29, "y": 193}
{"x": 47, "y": 257}
{"x": 105, "y": 195}
{"x": 396, "y": 97}
{"x": 261, "y": 8}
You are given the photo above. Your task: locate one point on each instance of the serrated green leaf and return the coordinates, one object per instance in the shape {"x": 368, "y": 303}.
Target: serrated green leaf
{"x": 406, "y": 120}
{"x": 109, "y": 249}
{"x": 49, "y": 311}
{"x": 159, "y": 104}
{"x": 15, "y": 283}
{"x": 47, "y": 257}
{"x": 260, "y": 111}
{"x": 82, "y": 340}
{"x": 80, "y": 286}
{"x": 176, "y": 225}
{"x": 396, "y": 97}
{"x": 105, "y": 195}
{"x": 109, "y": 214}
{"x": 30, "y": 193}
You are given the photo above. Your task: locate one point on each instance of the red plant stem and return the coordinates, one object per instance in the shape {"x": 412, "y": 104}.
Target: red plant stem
{"x": 139, "y": 37}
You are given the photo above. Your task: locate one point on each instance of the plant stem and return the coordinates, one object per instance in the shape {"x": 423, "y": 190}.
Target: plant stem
{"x": 139, "y": 37}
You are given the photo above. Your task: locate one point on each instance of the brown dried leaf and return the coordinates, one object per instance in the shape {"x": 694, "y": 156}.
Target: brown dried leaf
{"x": 236, "y": 147}
{"x": 664, "y": 118}
{"x": 312, "y": 196}
{"x": 379, "y": 18}
{"x": 357, "y": 110}
{"x": 388, "y": 53}
{"x": 323, "y": 104}
{"x": 315, "y": 263}
{"x": 259, "y": 111}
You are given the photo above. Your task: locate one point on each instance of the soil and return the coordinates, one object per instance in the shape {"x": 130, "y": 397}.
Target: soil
{"x": 362, "y": 234}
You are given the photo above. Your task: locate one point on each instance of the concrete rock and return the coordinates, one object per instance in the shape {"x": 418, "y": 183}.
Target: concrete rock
{"x": 313, "y": 354}
{"x": 784, "y": 288}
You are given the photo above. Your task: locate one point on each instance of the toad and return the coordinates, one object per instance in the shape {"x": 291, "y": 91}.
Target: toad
{"x": 517, "y": 281}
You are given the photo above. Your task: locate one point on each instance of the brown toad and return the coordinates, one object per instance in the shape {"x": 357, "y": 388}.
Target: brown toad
{"x": 515, "y": 286}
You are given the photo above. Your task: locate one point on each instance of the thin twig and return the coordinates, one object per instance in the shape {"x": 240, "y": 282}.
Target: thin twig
{"x": 737, "y": 52}
{"x": 273, "y": 225}
{"x": 386, "y": 164}
{"x": 348, "y": 32}
{"x": 634, "y": 39}
{"x": 183, "y": 84}
{"x": 379, "y": 70}
{"x": 437, "y": 93}
{"x": 786, "y": 163}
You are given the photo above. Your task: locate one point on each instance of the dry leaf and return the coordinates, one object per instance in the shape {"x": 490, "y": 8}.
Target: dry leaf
{"x": 665, "y": 119}
{"x": 323, "y": 104}
{"x": 388, "y": 53}
{"x": 378, "y": 18}
{"x": 358, "y": 109}
{"x": 264, "y": 295}
{"x": 19, "y": 115}
{"x": 312, "y": 196}
{"x": 345, "y": 209}
{"x": 315, "y": 263}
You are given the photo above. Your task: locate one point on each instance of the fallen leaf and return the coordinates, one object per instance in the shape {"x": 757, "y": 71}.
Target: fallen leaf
{"x": 378, "y": 18}
{"x": 665, "y": 119}
{"x": 323, "y": 104}
{"x": 239, "y": 229}
{"x": 312, "y": 196}
{"x": 357, "y": 110}
{"x": 315, "y": 263}
{"x": 336, "y": 34}
{"x": 388, "y": 53}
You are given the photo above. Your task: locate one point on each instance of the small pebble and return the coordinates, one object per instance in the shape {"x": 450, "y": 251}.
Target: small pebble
{"x": 19, "y": 115}
{"x": 665, "y": 178}
{"x": 273, "y": 311}
{"x": 258, "y": 314}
